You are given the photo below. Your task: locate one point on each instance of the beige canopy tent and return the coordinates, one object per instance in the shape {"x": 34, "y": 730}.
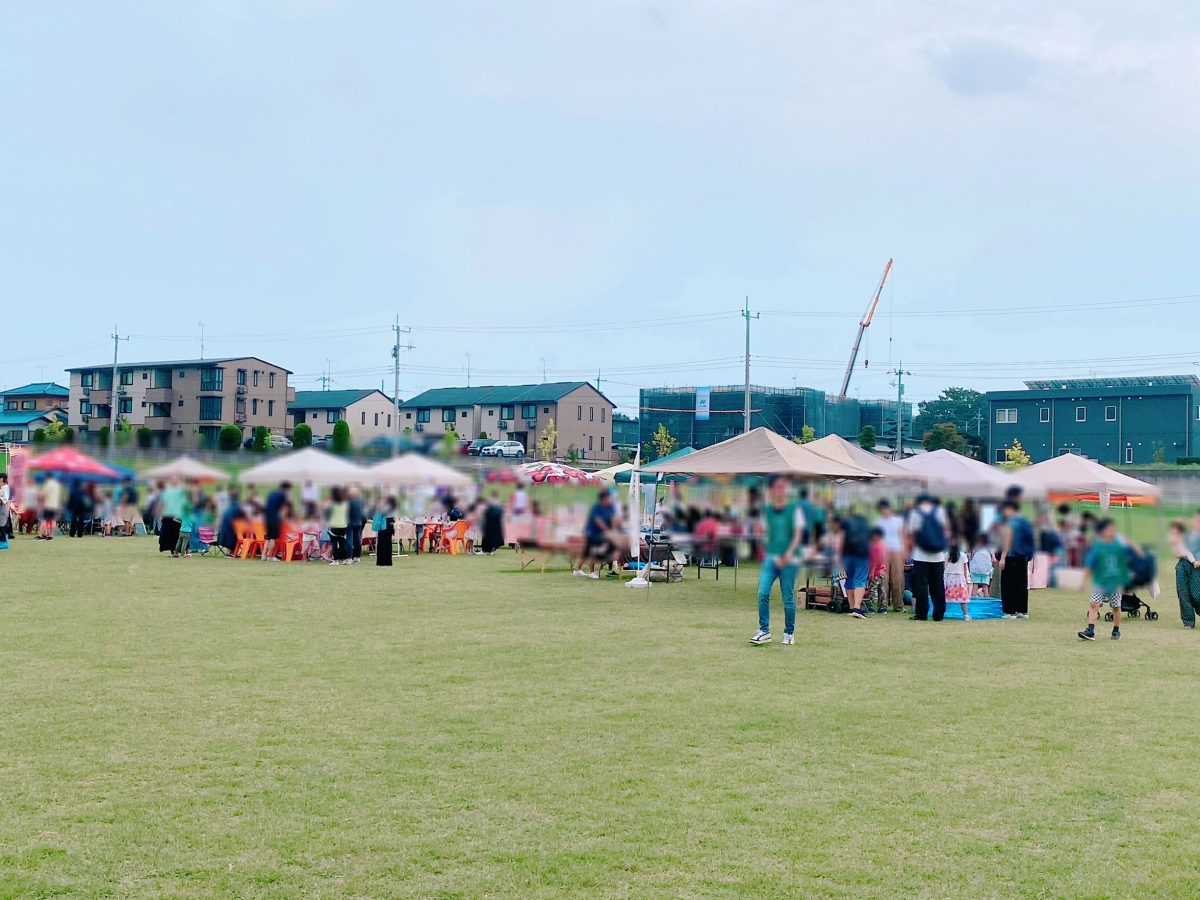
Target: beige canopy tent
{"x": 758, "y": 452}
{"x": 186, "y": 468}
{"x": 840, "y": 450}
{"x": 950, "y": 473}
{"x": 1077, "y": 476}
{"x": 309, "y": 464}
{"x": 412, "y": 469}
{"x": 609, "y": 475}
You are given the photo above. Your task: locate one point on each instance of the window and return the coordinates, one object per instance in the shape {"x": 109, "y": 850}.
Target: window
{"x": 162, "y": 378}
{"x": 389, "y": 425}
{"x": 589, "y": 442}
{"x": 270, "y": 379}
{"x": 602, "y": 412}
{"x": 422, "y": 415}
{"x": 1044, "y": 415}
{"x": 16, "y": 435}
{"x": 591, "y": 414}
{"x": 1001, "y": 456}
{"x": 408, "y": 415}
{"x": 85, "y": 380}
{"x": 601, "y": 443}
{"x": 127, "y": 377}
{"x": 241, "y": 377}
{"x": 447, "y": 415}
{"x": 462, "y": 414}
{"x": 254, "y": 407}
{"x": 528, "y": 410}
{"x": 182, "y": 374}
{"x": 506, "y": 412}
{"x": 85, "y": 407}
{"x": 579, "y": 414}
{"x": 545, "y": 409}
{"x": 376, "y": 420}
{"x": 28, "y": 404}
{"x": 145, "y": 375}
{"x": 1081, "y": 414}
{"x": 256, "y": 377}
{"x": 1110, "y": 414}
{"x": 239, "y": 406}
{"x": 181, "y": 401}
{"x": 10, "y": 405}
{"x": 1006, "y": 416}
{"x": 492, "y": 412}
{"x": 1128, "y": 456}
{"x": 210, "y": 409}
{"x": 212, "y": 379}
{"x": 332, "y": 416}
{"x": 125, "y": 405}
{"x": 270, "y": 407}
{"x": 316, "y": 416}
{"x": 364, "y": 417}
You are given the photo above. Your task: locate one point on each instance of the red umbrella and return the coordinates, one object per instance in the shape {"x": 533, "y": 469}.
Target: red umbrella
{"x": 556, "y": 473}
{"x": 70, "y": 462}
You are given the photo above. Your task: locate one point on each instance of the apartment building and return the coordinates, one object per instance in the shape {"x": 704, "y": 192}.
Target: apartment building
{"x": 369, "y": 413}
{"x": 582, "y": 415}
{"x": 184, "y": 403}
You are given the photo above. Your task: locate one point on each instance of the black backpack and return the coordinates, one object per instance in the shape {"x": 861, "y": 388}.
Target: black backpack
{"x": 857, "y": 536}
{"x": 930, "y": 537}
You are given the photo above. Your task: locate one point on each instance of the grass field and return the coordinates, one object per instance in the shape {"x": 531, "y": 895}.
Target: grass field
{"x": 451, "y": 728}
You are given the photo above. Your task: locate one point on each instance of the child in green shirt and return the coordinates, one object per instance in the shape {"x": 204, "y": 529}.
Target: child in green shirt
{"x": 1108, "y": 569}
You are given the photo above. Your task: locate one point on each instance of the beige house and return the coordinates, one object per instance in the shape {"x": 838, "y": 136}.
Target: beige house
{"x": 369, "y": 413}
{"x": 582, "y": 415}
{"x": 184, "y": 403}
{"x": 41, "y": 396}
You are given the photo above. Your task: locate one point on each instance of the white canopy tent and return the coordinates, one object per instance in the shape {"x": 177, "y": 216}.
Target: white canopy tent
{"x": 952, "y": 474}
{"x": 309, "y": 464}
{"x": 609, "y": 475}
{"x": 1077, "y": 476}
{"x": 186, "y": 468}
{"x": 412, "y": 470}
{"x": 759, "y": 451}
{"x": 840, "y": 450}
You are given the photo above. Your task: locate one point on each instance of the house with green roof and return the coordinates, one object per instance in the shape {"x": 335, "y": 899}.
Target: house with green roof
{"x": 18, "y": 427}
{"x": 41, "y": 395}
{"x": 519, "y": 412}
{"x": 370, "y": 412}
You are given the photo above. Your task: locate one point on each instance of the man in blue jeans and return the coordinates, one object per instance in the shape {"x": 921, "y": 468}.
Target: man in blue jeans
{"x": 784, "y": 533}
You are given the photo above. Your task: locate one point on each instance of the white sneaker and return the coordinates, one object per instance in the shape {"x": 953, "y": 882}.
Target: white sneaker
{"x": 1010, "y": 615}
{"x": 594, "y": 575}
{"x": 966, "y": 618}
{"x": 579, "y": 573}
{"x": 1021, "y": 616}
{"x": 761, "y": 637}
{"x": 788, "y": 639}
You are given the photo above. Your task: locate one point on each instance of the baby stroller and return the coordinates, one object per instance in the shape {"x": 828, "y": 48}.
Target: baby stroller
{"x": 1142, "y": 570}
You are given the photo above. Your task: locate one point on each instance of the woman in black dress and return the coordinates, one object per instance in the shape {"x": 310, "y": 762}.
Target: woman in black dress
{"x": 385, "y": 535}
{"x": 492, "y": 537}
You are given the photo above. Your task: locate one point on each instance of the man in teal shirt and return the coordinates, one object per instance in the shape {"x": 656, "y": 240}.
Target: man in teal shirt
{"x": 784, "y": 532}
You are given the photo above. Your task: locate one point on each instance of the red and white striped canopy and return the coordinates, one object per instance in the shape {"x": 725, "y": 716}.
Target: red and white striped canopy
{"x": 555, "y": 473}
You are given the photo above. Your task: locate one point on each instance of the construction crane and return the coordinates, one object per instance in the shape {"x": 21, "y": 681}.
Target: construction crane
{"x": 862, "y": 327}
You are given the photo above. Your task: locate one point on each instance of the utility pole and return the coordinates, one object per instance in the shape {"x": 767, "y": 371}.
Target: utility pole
{"x": 543, "y": 370}
{"x": 326, "y": 375}
{"x": 468, "y": 369}
{"x": 899, "y": 372}
{"x": 979, "y": 424}
{"x": 396, "y": 381}
{"x": 202, "y": 340}
{"x": 116, "y": 401}
{"x": 746, "y": 398}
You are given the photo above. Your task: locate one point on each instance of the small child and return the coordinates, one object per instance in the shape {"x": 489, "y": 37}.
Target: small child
{"x": 982, "y": 563}
{"x": 958, "y": 588}
{"x": 877, "y": 572}
{"x": 1108, "y": 568}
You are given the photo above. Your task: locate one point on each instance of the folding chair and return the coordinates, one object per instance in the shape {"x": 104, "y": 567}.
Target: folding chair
{"x": 207, "y": 536}
{"x": 454, "y": 538}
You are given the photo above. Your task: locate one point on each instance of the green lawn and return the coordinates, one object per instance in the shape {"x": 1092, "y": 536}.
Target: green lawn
{"x": 451, "y": 728}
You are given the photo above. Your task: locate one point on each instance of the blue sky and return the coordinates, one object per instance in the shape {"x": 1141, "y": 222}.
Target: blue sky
{"x": 296, "y": 174}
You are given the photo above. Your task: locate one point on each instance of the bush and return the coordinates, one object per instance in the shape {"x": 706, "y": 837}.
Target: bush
{"x": 302, "y": 436}
{"x": 68, "y": 435}
{"x": 38, "y": 437}
{"x": 1183, "y": 460}
{"x": 145, "y": 437}
{"x": 341, "y": 437}
{"x": 262, "y": 439}
{"x": 229, "y": 438}
{"x": 105, "y": 431}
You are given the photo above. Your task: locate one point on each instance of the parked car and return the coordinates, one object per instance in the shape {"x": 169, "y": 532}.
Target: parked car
{"x": 513, "y": 449}
{"x": 475, "y": 448}
{"x": 323, "y": 442}
{"x": 281, "y": 442}
{"x": 463, "y": 446}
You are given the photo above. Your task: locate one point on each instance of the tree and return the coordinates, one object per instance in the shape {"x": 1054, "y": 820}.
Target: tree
{"x": 229, "y": 438}
{"x": 547, "y": 442}
{"x": 573, "y": 455}
{"x": 945, "y": 436}
{"x": 104, "y": 433}
{"x": 302, "y": 436}
{"x": 449, "y": 444}
{"x": 39, "y": 436}
{"x": 483, "y": 436}
{"x": 866, "y": 437}
{"x": 1160, "y": 453}
{"x": 340, "y": 443}
{"x": 1015, "y": 456}
{"x": 664, "y": 443}
{"x": 966, "y": 409}
{"x": 56, "y": 432}
{"x": 145, "y": 437}
{"x": 808, "y": 434}
{"x": 624, "y": 455}
{"x": 262, "y": 439}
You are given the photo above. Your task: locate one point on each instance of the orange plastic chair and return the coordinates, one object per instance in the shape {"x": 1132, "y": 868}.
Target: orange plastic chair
{"x": 241, "y": 547}
{"x": 292, "y": 541}
{"x": 257, "y": 539}
{"x": 454, "y": 538}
